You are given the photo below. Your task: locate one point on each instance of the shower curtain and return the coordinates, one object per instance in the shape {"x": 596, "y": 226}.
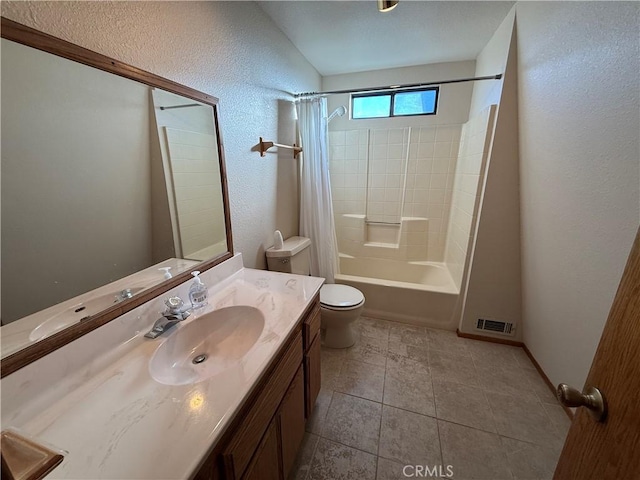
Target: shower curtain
{"x": 316, "y": 208}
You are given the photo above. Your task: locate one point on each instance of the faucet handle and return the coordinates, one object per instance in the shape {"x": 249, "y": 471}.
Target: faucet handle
{"x": 174, "y": 304}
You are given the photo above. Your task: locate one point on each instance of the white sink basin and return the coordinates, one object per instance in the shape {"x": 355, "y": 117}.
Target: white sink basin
{"x": 74, "y": 314}
{"x": 207, "y": 346}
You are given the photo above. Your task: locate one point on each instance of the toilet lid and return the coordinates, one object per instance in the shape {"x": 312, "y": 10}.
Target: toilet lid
{"x": 334, "y": 295}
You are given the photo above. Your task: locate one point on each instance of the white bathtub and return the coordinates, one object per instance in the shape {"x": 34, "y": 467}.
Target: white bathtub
{"x": 415, "y": 292}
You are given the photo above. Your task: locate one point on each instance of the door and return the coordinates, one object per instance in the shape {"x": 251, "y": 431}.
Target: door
{"x": 291, "y": 420}
{"x": 312, "y": 360}
{"x": 265, "y": 464}
{"x": 611, "y": 449}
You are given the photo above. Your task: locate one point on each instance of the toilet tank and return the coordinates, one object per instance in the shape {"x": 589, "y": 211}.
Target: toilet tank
{"x": 293, "y": 257}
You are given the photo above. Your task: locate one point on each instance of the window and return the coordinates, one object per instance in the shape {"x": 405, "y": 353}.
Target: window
{"x": 398, "y": 103}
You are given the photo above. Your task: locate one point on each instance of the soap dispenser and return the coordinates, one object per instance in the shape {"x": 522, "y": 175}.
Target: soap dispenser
{"x": 198, "y": 292}
{"x": 167, "y": 273}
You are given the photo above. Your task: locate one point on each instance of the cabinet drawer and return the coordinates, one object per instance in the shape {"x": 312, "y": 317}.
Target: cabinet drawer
{"x": 243, "y": 444}
{"x": 311, "y": 326}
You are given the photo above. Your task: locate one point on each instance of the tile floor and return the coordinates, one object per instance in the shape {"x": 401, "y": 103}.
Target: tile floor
{"x": 405, "y": 395}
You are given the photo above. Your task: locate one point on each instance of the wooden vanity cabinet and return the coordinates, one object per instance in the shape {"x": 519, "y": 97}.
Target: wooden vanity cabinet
{"x": 263, "y": 439}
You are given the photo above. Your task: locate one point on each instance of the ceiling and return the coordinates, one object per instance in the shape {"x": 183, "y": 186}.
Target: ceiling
{"x": 352, "y": 36}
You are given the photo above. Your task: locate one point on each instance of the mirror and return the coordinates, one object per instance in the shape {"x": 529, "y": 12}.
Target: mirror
{"x": 113, "y": 189}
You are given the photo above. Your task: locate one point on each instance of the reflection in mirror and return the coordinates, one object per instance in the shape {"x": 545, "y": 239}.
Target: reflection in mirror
{"x": 192, "y": 175}
{"x": 109, "y": 187}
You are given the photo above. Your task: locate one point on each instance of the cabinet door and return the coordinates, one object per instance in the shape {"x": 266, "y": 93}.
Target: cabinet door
{"x": 209, "y": 470}
{"x": 238, "y": 452}
{"x": 265, "y": 464}
{"x": 291, "y": 418}
{"x": 312, "y": 375}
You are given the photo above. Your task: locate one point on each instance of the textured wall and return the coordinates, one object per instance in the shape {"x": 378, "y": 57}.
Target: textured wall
{"x": 227, "y": 49}
{"x": 579, "y": 110}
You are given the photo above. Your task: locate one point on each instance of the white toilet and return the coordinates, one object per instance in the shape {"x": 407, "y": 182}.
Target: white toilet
{"x": 340, "y": 305}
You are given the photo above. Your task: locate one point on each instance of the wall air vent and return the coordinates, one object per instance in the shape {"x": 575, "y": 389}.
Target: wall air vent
{"x": 495, "y": 326}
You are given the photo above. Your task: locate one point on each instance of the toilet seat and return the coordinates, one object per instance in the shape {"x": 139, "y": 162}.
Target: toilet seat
{"x": 340, "y": 297}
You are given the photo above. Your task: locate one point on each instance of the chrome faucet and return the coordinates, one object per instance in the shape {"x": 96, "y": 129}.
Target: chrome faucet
{"x": 123, "y": 295}
{"x": 175, "y": 313}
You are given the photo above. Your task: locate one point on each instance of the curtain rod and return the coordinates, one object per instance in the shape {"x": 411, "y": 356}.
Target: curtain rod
{"x": 396, "y": 87}
{"x": 182, "y": 106}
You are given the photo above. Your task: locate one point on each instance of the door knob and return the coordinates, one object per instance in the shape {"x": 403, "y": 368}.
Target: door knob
{"x": 591, "y": 398}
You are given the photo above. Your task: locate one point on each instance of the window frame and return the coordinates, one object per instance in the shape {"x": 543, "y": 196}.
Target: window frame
{"x": 393, "y": 93}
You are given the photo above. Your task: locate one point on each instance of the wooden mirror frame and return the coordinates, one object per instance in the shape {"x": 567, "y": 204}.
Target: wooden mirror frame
{"x": 30, "y": 37}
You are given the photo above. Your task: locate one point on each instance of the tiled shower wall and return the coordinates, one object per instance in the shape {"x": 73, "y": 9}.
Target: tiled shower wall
{"x": 474, "y": 151}
{"x": 348, "y": 169}
{"x": 420, "y": 189}
{"x": 386, "y": 174}
{"x": 432, "y": 165}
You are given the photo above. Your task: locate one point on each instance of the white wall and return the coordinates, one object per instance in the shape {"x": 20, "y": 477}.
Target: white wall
{"x": 228, "y": 49}
{"x": 579, "y": 110}
{"x": 453, "y": 101}
{"x": 493, "y": 288}
{"x": 492, "y": 60}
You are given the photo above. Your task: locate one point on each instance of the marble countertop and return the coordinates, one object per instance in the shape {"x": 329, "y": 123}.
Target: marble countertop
{"x": 96, "y": 399}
